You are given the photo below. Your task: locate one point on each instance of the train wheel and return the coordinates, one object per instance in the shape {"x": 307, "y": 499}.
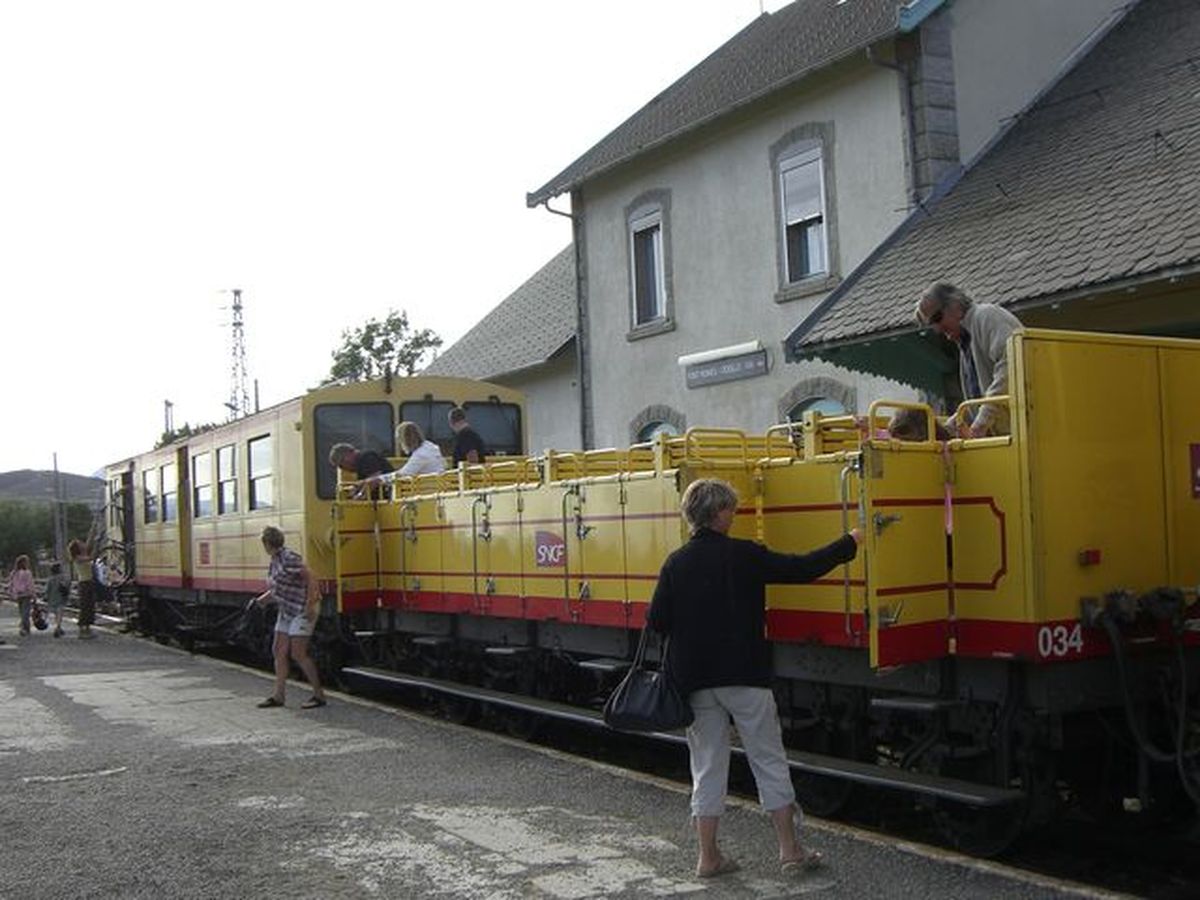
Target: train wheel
{"x": 980, "y": 831}
{"x": 976, "y": 831}
{"x": 822, "y": 795}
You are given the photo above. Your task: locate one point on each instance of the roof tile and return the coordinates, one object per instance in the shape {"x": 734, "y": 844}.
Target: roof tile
{"x": 1101, "y": 178}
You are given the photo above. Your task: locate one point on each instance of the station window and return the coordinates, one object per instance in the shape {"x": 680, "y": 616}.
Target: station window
{"x": 802, "y": 188}
{"x": 261, "y": 485}
{"x": 824, "y": 405}
{"x": 227, "y": 499}
{"x": 150, "y": 496}
{"x": 170, "y": 495}
{"x": 651, "y": 430}
{"x": 649, "y": 283}
{"x": 367, "y": 426}
{"x": 202, "y": 492}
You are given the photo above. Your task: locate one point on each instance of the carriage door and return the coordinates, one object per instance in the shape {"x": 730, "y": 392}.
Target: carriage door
{"x": 907, "y": 591}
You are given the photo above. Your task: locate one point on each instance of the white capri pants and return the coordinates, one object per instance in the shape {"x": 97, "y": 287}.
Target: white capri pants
{"x": 757, "y": 720}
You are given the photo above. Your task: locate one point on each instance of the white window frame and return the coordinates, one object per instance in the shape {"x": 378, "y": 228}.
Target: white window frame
{"x": 639, "y": 223}
{"x": 787, "y": 163}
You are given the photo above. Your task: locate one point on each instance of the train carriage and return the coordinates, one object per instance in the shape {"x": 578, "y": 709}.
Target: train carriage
{"x": 1018, "y": 630}
{"x": 188, "y": 516}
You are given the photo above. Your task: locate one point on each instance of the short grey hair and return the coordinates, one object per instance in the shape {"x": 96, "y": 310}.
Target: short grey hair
{"x": 337, "y": 452}
{"x": 705, "y": 499}
{"x": 272, "y": 537}
{"x": 943, "y": 293}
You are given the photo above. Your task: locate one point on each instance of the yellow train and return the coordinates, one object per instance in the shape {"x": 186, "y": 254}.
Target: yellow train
{"x": 1018, "y": 633}
{"x": 185, "y": 519}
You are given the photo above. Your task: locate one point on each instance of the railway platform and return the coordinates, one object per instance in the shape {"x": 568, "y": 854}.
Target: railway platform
{"x": 130, "y": 769}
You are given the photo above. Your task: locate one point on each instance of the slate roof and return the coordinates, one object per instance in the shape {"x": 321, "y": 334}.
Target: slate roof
{"x": 528, "y": 327}
{"x": 774, "y": 51}
{"x": 1098, "y": 182}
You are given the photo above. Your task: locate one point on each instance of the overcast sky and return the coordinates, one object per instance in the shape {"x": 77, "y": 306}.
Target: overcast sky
{"x": 331, "y": 160}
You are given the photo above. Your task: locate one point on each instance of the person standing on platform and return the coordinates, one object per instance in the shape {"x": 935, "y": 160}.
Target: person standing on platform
{"x": 468, "y": 445}
{"x": 20, "y": 588}
{"x": 58, "y": 591}
{"x": 80, "y": 554}
{"x": 710, "y": 602}
{"x": 294, "y": 590}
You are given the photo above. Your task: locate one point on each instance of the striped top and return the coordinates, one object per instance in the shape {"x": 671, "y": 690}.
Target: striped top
{"x": 285, "y": 576}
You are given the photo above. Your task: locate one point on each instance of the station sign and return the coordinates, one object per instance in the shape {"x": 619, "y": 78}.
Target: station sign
{"x": 731, "y": 368}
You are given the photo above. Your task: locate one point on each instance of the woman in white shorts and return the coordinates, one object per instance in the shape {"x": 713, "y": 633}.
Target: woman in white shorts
{"x": 293, "y": 588}
{"x": 711, "y": 602}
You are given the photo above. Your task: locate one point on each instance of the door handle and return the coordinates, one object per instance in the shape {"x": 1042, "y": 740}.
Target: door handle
{"x": 881, "y": 521}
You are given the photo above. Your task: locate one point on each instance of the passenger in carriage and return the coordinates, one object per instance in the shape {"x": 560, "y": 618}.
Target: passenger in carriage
{"x": 424, "y": 457}
{"x": 364, "y": 464}
{"x": 911, "y": 425}
{"x": 711, "y": 602}
{"x": 468, "y": 445}
{"x": 980, "y": 331}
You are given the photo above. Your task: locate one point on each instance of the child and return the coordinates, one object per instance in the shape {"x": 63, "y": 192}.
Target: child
{"x": 20, "y": 588}
{"x": 58, "y": 590}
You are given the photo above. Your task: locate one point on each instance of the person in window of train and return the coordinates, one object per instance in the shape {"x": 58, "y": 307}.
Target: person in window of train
{"x": 293, "y": 588}
{"x": 468, "y": 445}
{"x": 364, "y": 464}
{"x": 980, "y": 330}
{"x": 711, "y": 602}
{"x": 424, "y": 457}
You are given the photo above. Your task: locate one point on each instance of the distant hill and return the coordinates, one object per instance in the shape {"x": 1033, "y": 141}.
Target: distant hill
{"x": 26, "y": 484}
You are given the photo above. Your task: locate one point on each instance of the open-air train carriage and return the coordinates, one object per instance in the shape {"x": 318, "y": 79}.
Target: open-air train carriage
{"x": 1016, "y": 632}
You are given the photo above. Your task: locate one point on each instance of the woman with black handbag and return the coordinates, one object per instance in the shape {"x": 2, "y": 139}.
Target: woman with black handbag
{"x": 710, "y": 602}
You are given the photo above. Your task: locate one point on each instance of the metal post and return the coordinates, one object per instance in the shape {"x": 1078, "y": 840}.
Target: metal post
{"x": 56, "y": 508}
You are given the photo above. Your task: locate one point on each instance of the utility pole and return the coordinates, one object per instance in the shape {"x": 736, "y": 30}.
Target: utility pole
{"x": 57, "y": 507}
{"x": 239, "y": 399}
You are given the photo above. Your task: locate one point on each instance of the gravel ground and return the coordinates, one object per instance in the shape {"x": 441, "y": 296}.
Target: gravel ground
{"x": 133, "y": 770}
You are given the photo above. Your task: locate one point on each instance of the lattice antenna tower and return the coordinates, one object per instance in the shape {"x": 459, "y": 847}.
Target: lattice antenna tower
{"x": 239, "y": 400}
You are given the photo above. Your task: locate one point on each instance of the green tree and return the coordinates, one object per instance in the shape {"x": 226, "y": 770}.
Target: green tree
{"x": 378, "y": 347}
{"x": 28, "y": 527}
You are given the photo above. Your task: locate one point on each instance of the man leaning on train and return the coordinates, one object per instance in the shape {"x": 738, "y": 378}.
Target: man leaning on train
{"x": 980, "y": 331}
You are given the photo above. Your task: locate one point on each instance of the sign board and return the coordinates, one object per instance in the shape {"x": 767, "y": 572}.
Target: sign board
{"x": 731, "y": 368}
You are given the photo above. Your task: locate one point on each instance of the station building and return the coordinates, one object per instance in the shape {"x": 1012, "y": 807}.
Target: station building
{"x": 750, "y": 243}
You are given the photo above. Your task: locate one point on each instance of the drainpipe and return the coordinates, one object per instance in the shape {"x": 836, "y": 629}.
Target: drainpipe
{"x": 582, "y": 351}
{"x": 906, "y": 95}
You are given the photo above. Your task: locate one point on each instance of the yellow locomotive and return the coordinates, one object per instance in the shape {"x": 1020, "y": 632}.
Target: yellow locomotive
{"x": 185, "y": 519}
{"x": 1019, "y": 632}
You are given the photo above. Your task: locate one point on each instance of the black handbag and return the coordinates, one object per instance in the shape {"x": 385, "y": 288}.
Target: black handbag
{"x": 647, "y": 699}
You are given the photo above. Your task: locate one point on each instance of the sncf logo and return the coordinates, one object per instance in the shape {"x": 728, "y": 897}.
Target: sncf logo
{"x": 548, "y": 549}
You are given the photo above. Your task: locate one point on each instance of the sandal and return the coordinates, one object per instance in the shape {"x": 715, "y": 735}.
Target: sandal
{"x": 269, "y": 703}
{"x": 313, "y": 703}
{"x": 724, "y": 867}
{"x": 805, "y": 862}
